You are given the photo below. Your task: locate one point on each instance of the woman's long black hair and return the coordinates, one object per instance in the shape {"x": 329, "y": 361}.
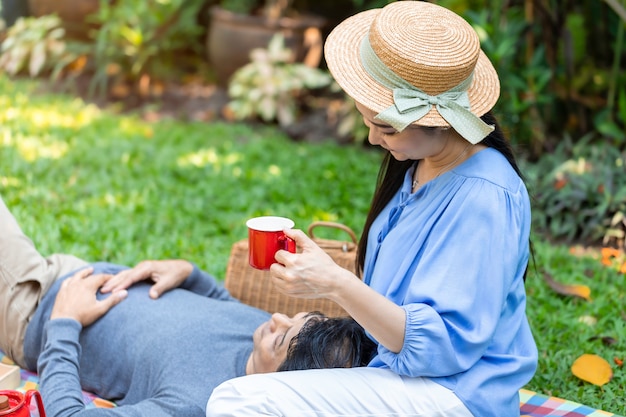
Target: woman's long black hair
{"x": 391, "y": 177}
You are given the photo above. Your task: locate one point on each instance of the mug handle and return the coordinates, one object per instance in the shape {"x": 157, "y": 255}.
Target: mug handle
{"x": 287, "y": 243}
{"x": 28, "y": 399}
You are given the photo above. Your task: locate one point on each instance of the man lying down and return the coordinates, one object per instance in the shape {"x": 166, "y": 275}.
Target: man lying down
{"x": 101, "y": 329}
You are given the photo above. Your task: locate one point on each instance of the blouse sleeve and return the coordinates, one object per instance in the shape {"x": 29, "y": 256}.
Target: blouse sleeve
{"x": 466, "y": 283}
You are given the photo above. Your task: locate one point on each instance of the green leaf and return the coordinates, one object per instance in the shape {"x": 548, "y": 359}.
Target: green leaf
{"x": 37, "y": 59}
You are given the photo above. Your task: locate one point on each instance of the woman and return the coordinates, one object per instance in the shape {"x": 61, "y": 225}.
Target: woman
{"x": 445, "y": 247}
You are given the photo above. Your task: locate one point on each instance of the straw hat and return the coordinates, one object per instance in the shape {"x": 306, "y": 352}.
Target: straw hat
{"x": 427, "y": 45}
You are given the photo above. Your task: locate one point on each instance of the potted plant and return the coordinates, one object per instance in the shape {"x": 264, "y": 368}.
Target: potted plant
{"x": 239, "y": 26}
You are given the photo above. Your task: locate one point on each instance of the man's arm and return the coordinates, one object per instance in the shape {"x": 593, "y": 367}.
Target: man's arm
{"x": 59, "y": 382}
{"x": 203, "y": 283}
{"x": 167, "y": 275}
{"x": 76, "y": 306}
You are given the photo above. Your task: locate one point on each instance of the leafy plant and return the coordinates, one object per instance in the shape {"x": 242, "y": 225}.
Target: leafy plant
{"x": 239, "y": 6}
{"x": 35, "y": 45}
{"x": 350, "y": 121}
{"x": 580, "y": 191}
{"x": 273, "y": 9}
{"x": 138, "y": 38}
{"x": 523, "y": 71}
{"x": 271, "y": 85}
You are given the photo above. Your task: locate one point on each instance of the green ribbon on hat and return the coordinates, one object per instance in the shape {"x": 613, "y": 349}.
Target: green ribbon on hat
{"x": 411, "y": 104}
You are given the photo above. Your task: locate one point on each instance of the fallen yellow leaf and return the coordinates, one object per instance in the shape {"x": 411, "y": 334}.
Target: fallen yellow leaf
{"x": 578, "y": 290}
{"x": 593, "y": 369}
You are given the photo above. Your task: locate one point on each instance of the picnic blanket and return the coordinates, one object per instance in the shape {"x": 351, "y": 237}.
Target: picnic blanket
{"x": 532, "y": 404}
{"x": 30, "y": 381}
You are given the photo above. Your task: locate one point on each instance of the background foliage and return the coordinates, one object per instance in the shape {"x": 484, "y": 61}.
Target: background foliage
{"x": 560, "y": 64}
{"x": 107, "y": 187}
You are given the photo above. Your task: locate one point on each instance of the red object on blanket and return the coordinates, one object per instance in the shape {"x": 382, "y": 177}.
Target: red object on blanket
{"x": 18, "y": 404}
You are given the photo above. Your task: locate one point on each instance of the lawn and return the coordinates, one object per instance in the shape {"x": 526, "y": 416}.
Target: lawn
{"x": 110, "y": 187}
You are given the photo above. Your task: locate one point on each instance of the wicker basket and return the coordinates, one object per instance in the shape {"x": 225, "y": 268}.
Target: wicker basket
{"x": 254, "y": 287}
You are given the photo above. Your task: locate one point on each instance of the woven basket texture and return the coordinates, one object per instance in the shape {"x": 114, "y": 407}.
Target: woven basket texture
{"x": 254, "y": 287}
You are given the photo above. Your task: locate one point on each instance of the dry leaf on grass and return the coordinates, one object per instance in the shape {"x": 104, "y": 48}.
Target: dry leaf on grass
{"x": 577, "y": 290}
{"x": 593, "y": 369}
{"x": 606, "y": 340}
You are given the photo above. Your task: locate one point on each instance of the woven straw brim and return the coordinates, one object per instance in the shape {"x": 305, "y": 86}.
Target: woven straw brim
{"x": 342, "y": 52}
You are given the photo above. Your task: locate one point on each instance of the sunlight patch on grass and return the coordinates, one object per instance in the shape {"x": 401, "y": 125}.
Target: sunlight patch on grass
{"x": 9, "y": 113}
{"x": 135, "y": 127}
{"x": 325, "y": 216}
{"x": 210, "y": 157}
{"x": 10, "y": 181}
{"x": 51, "y": 116}
{"x": 122, "y": 201}
{"x": 274, "y": 170}
{"x": 32, "y": 148}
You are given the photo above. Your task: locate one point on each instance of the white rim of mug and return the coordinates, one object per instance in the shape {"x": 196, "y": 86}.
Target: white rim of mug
{"x": 270, "y": 223}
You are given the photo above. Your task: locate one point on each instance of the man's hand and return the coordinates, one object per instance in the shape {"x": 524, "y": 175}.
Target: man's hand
{"x": 77, "y": 298}
{"x": 166, "y": 275}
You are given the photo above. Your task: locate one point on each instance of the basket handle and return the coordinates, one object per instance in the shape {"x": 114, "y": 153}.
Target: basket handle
{"x": 332, "y": 225}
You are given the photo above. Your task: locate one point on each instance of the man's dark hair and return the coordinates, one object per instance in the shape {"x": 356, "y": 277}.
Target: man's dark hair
{"x": 329, "y": 342}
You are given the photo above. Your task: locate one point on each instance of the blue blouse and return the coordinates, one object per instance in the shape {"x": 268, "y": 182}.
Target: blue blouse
{"x": 453, "y": 255}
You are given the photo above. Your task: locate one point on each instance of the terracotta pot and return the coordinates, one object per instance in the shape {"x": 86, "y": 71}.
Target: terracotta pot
{"x": 72, "y": 13}
{"x": 231, "y": 38}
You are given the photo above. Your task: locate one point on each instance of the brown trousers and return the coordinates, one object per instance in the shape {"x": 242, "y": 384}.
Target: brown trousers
{"x": 25, "y": 276}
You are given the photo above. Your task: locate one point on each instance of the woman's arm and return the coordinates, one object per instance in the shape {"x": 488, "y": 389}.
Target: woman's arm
{"x": 313, "y": 274}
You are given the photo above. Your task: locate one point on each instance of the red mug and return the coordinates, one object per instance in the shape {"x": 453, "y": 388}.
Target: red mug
{"x": 16, "y": 404}
{"x": 266, "y": 237}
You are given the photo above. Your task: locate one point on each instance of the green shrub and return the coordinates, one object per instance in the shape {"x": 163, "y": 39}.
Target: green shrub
{"x": 579, "y": 192}
{"x": 138, "y": 37}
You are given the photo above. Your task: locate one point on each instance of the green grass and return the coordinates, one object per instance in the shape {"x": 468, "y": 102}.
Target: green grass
{"x": 567, "y": 327}
{"x": 114, "y": 188}
{"x": 111, "y": 187}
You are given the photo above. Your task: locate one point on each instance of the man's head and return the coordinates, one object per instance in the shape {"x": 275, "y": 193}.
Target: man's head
{"x": 271, "y": 341}
{"x": 308, "y": 341}
{"x": 323, "y": 342}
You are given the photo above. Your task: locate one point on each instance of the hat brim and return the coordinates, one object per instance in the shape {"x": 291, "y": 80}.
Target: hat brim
{"x": 342, "y": 53}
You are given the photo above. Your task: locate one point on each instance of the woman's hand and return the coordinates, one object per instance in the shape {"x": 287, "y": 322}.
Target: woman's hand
{"x": 313, "y": 274}
{"x": 77, "y": 300}
{"x": 166, "y": 275}
{"x": 309, "y": 274}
